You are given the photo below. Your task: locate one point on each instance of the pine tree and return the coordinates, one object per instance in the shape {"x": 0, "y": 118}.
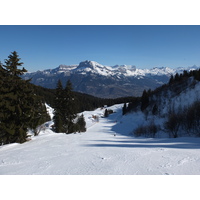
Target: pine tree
{"x": 58, "y": 111}
{"x": 171, "y": 80}
{"x": 81, "y": 124}
{"x": 106, "y": 113}
{"x": 144, "y": 100}
{"x": 39, "y": 116}
{"x": 17, "y": 102}
{"x": 124, "y": 109}
{"x": 13, "y": 105}
{"x": 177, "y": 77}
{"x": 65, "y": 109}
{"x": 69, "y": 108}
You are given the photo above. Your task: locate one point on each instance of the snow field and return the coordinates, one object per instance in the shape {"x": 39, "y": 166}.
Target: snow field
{"x": 107, "y": 148}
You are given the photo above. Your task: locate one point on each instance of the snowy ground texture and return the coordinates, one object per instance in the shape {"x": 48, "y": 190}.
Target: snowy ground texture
{"x": 107, "y": 148}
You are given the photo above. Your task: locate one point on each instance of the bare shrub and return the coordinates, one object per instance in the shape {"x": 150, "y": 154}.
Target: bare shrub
{"x": 146, "y": 131}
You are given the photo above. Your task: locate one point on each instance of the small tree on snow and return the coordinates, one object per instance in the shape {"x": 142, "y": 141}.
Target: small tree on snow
{"x": 124, "y": 109}
{"x": 106, "y": 113}
{"x": 81, "y": 124}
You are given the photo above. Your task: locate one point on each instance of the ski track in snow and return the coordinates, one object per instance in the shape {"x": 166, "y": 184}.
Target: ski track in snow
{"x": 101, "y": 151}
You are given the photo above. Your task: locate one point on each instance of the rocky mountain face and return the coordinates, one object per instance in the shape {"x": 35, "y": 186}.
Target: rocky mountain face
{"x": 104, "y": 81}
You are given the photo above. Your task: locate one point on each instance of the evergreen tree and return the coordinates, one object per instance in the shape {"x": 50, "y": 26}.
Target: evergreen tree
{"x": 69, "y": 108}
{"x": 171, "y": 80}
{"x": 106, "y": 113}
{"x": 185, "y": 73}
{"x": 144, "y": 100}
{"x": 124, "y": 109}
{"x": 58, "y": 111}
{"x": 65, "y": 109}
{"x": 17, "y": 102}
{"x": 81, "y": 124}
{"x": 177, "y": 77}
{"x": 39, "y": 116}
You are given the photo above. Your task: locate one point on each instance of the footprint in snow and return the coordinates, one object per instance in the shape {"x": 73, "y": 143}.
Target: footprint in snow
{"x": 185, "y": 160}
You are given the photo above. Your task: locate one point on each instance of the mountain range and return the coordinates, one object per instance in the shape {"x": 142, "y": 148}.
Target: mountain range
{"x": 103, "y": 81}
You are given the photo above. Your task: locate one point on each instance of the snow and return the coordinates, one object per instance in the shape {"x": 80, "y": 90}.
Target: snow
{"x": 94, "y": 67}
{"x": 107, "y": 148}
{"x": 127, "y": 70}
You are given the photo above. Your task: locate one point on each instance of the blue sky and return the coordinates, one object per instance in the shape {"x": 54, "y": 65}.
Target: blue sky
{"x": 44, "y": 47}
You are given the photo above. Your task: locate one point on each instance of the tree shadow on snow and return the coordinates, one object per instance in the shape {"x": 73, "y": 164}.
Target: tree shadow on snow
{"x": 119, "y": 128}
{"x": 178, "y": 143}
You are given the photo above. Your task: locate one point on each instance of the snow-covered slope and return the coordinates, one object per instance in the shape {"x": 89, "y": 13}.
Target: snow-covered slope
{"x": 106, "y": 148}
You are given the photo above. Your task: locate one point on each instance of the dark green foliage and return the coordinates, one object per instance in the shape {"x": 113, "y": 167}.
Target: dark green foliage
{"x": 84, "y": 101}
{"x": 88, "y": 102}
{"x": 124, "y": 109}
{"x": 133, "y": 104}
{"x": 69, "y": 108}
{"x": 171, "y": 80}
{"x": 64, "y": 109}
{"x": 81, "y": 124}
{"x": 46, "y": 95}
{"x": 106, "y": 113}
{"x": 58, "y": 112}
{"x": 177, "y": 77}
{"x": 144, "y": 100}
{"x": 20, "y": 108}
{"x": 184, "y": 76}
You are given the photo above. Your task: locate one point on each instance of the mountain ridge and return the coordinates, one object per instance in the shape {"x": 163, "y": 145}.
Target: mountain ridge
{"x": 99, "y": 80}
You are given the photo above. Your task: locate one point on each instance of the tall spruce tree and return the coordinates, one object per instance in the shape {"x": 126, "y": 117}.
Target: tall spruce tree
{"x": 17, "y": 102}
{"x": 14, "y": 108}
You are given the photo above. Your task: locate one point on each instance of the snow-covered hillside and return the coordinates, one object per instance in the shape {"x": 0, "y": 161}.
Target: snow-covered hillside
{"x": 106, "y": 148}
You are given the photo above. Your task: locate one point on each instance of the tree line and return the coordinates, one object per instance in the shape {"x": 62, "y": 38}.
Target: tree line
{"x": 65, "y": 111}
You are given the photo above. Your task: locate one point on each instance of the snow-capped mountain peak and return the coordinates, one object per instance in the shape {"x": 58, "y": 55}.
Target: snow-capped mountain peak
{"x": 94, "y": 67}
{"x": 105, "y": 81}
{"x": 89, "y": 64}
